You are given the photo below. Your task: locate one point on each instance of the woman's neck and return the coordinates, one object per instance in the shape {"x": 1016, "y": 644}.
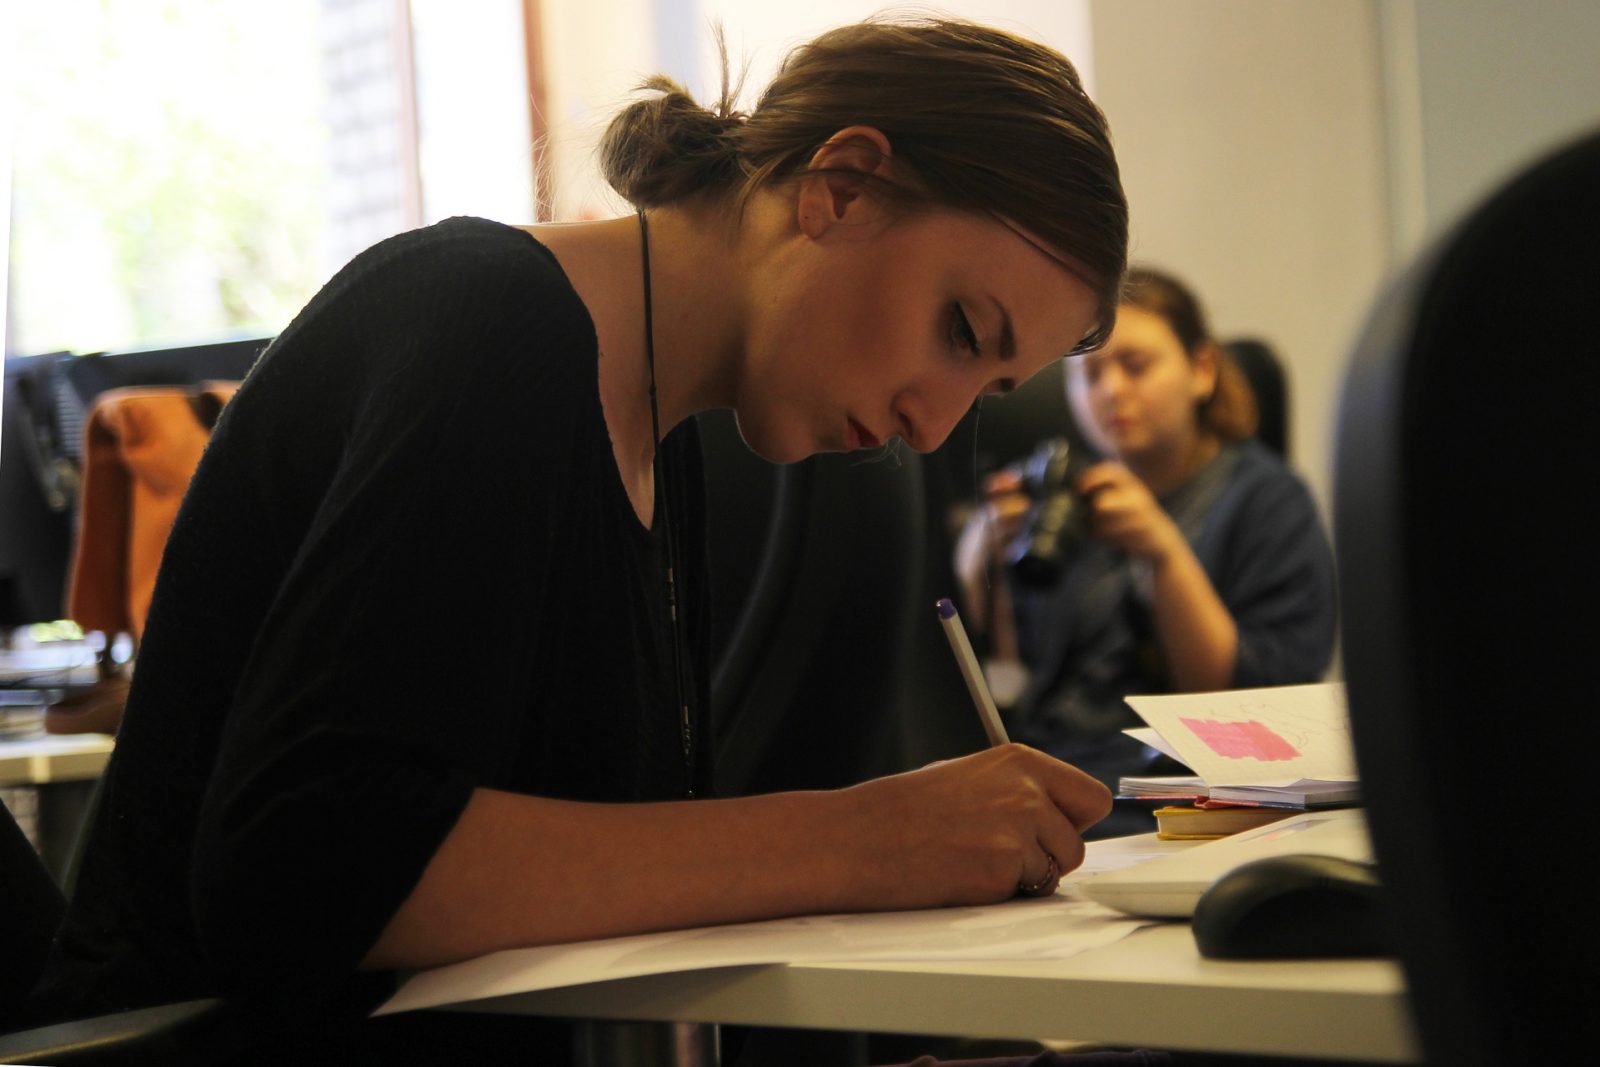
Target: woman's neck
{"x": 1167, "y": 470}
{"x": 695, "y": 314}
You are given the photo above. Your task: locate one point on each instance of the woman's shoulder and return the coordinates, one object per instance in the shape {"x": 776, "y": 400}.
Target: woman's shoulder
{"x": 462, "y": 250}
{"x": 463, "y": 301}
{"x": 1255, "y": 462}
{"x": 459, "y": 280}
{"x": 1262, "y": 484}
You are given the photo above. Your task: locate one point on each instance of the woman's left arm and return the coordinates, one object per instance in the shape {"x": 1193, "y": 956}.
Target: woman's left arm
{"x": 1196, "y": 630}
{"x": 1274, "y": 569}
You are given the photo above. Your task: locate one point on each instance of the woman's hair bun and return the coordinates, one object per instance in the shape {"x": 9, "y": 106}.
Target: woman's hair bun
{"x": 667, "y": 147}
{"x": 978, "y": 120}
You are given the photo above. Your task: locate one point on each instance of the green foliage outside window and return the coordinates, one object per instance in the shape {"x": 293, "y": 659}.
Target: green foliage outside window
{"x": 169, "y": 171}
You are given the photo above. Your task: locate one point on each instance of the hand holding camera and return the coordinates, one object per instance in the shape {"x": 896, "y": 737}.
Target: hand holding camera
{"x": 1058, "y": 518}
{"x": 1125, "y": 513}
{"x": 1072, "y": 498}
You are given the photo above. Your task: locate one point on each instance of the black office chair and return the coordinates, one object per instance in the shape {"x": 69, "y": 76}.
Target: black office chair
{"x": 833, "y": 668}
{"x": 31, "y": 906}
{"x": 38, "y": 487}
{"x": 1465, "y": 531}
{"x": 1270, "y": 385}
{"x": 825, "y": 575}
{"x": 86, "y": 377}
{"x": 815, "y": 579}
{"x": 1003, "y": 430}
{"x": 806, "y": 691}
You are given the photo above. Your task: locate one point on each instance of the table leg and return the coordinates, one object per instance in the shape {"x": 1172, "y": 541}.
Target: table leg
{"x": 603, "y": 1043}
{"x": 62, "y": 807}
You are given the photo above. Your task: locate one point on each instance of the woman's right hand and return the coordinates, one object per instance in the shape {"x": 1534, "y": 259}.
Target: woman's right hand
{"x": 520, "y": 870}
{"x": 969, "y": 830}
{"x": 1002, "y": 511}
{"x": 1125, "y": 513}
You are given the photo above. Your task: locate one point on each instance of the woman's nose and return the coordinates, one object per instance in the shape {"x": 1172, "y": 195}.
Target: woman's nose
{"x": 927, "y": 416}
{"x": 1110, "y": 383}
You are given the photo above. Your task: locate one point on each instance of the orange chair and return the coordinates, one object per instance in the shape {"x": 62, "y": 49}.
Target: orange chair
{"x": 141, "y": 447}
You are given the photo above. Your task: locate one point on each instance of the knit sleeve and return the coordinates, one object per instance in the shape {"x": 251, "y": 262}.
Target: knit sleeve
{"x": 385, "y": 679}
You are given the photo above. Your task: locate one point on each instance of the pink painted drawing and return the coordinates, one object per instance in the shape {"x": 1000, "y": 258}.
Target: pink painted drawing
{"x": 1242, "y": 740}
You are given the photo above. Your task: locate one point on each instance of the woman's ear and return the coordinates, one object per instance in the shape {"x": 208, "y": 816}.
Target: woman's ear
{"x": 834, "y": 190}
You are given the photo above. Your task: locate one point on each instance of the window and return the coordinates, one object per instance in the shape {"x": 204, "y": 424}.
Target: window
{"x": 168, "y": 176}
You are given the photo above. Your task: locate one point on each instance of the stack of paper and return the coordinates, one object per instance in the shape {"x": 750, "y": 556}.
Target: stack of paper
{"x": 1043, "y": 928}
{"x": 1283, "y": 747}
{"x": 33, "y": 677}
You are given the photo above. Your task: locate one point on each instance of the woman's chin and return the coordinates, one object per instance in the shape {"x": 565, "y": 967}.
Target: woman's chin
{"x": 778, "y": 448}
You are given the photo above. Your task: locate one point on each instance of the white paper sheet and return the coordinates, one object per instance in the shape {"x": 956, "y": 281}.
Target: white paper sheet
{"x": 1266, "y": 737}
{"x": 1049, "y": 928}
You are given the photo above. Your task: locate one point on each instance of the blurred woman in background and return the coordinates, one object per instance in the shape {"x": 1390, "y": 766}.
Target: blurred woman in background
{"x": 1204, "y": 565}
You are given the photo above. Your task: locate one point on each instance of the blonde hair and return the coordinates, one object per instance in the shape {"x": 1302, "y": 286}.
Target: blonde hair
{"x": 982, "y": 120}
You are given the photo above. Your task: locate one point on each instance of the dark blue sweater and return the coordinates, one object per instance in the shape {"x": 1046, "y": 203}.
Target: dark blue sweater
{"x": 1089, "y": 640}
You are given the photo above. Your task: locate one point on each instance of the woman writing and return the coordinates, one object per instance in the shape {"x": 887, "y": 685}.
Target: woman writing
{"x": 489, "y": 430}
{"x": 1205, "y": 566}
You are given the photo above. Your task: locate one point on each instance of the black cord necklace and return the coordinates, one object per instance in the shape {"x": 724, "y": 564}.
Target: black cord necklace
{"x": 668, "y": 532}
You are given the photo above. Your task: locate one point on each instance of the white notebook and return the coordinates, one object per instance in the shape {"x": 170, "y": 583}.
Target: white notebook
{"x": 1169, "y": 886}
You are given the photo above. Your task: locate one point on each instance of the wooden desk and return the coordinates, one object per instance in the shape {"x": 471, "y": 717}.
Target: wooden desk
{"x": 1152, "y": 989}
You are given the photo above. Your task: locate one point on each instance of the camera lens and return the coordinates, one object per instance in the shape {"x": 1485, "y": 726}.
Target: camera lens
{"x": 1057, "y": 522}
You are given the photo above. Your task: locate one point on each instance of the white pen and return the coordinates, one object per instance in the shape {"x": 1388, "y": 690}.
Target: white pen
{"x": 972, "y": 673}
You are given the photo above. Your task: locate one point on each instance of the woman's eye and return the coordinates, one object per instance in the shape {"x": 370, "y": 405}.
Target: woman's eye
{"x": 961, "y": 332}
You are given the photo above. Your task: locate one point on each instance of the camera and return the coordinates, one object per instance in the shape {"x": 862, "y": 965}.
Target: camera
{"x": 1058, "y": 521}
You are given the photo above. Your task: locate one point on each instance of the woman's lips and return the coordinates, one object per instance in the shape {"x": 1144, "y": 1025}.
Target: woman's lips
{"x": 860, "y": 436}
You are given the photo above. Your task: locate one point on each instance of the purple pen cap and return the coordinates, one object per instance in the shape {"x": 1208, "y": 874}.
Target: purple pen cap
{"x": 946, "y": 609}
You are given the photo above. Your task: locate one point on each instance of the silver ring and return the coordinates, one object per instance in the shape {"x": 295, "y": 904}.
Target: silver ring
{"x": 1045, "y": 884}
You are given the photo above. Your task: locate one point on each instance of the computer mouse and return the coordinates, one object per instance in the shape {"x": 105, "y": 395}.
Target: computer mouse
{"x": 1298, "y": 906}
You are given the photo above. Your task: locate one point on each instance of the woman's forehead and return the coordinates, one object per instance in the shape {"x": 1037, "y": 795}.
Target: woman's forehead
{"x": 1067, "y": 262}
{"x": 1040, "y": 289}
{"x": 1139, "y": 325}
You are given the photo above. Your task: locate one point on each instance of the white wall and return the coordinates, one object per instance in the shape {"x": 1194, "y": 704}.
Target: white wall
{"x": 1289, "y": 157}
{"x": 1481, "y": 88}
{"x": 475, "y": 148}
{"x": 761, "y": 32}
{"x": 1251, "y": 139}
{"x": 596, "y": 53}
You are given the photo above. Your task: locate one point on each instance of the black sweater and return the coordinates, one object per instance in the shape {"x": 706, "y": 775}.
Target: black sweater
{"x": 405, "y": 568}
